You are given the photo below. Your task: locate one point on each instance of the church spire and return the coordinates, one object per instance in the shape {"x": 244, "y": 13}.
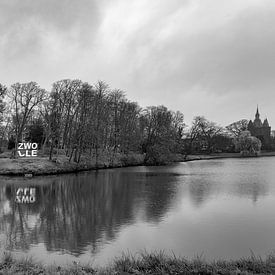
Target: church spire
{"x": 257, "y": 112}
{"x": 257, "y": 121}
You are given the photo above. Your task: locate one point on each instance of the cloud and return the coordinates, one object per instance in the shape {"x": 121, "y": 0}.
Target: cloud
{"x": 204, "y": 58}
{"x": 229, "y": 55}
{"x": 63, "y": 14}
{"x": 199, "y": 56}
{"x": 25, "y": 25}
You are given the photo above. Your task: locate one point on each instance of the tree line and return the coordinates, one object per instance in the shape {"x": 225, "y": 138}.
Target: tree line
{"x": 78, "y": 119}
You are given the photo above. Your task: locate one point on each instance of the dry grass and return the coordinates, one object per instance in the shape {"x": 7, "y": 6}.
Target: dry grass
{"x": 43, "y": 166}
{"x": 146, "y": 263}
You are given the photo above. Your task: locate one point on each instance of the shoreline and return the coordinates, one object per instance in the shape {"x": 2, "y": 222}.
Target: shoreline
{"x": 41, "y": 166}
{"x": 227, "y": 155}
{"x": 145, "y": 263}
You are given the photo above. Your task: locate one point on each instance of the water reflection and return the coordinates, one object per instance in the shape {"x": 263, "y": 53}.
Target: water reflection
{"x": 72, "y": 211}
{"x": 249, "y": 179}
{"x": 221, "y": 207}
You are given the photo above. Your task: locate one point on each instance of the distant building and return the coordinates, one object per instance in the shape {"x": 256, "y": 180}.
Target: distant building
{"x": 260, "y": 130}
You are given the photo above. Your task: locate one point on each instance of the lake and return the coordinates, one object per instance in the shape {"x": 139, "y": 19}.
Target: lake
{"x": 220, "y": 208}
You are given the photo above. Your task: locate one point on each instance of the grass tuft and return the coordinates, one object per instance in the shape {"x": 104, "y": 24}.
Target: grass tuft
{"x": 146, "y": 263}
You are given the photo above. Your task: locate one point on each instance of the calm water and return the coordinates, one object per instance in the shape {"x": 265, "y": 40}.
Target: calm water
{"x": 221, "y": 208}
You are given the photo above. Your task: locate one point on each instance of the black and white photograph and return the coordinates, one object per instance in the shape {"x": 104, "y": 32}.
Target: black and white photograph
{"x": 137, "y": 137}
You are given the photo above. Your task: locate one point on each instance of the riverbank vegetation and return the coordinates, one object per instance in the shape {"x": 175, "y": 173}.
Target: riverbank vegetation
{"x": 154, "y": 263}
{"x": 84, "y": 123}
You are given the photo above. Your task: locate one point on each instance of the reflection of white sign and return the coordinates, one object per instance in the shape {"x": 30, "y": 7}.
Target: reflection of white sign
{"x": 27, "y": 149}
{"x": 25, "y": 195}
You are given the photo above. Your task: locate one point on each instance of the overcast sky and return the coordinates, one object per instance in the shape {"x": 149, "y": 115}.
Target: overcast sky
{"x": 203, "y": 57}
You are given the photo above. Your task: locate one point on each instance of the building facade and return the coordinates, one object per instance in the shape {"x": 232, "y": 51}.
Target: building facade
{"x": 261, "y": 130}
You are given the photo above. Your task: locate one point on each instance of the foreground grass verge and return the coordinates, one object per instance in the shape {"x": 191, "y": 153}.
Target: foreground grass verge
{"x": 145, "y": 263}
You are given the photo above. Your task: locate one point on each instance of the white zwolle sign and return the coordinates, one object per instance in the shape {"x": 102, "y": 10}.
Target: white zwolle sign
{"x": 27, "y": 149}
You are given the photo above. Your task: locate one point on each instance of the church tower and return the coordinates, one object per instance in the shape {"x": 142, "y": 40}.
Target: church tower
{"x": 260, "y": 130}
{"x": 257, "y": 120}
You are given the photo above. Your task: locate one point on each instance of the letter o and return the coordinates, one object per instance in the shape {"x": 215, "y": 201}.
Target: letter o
{"x": 34, "y": 146}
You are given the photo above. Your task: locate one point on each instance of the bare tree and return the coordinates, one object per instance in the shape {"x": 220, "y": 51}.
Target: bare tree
{"x": 204, "y": 132}
{"x": 24, "y": 99}
{"x": 3, "y": 127}
{"x": 101, "y": 89}
{"x": 192, "y": 134}
{"x": 236, "y": 128}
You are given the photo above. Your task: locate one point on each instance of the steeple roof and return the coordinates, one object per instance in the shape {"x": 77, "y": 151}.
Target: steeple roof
{"x": 266, "y": 124}
{"x": 257, "y": 115}
{"x": 257, "y": 121}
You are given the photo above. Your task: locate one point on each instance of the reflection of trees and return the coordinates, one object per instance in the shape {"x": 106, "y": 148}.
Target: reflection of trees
{"x": 72, "y": 211}
{"x": 200, "y": 190}
{"x": 250, "y": 189}
{"x": 18, "y": 221}
{"x": 81, "y": 212}
{"x": 160, "y": 193}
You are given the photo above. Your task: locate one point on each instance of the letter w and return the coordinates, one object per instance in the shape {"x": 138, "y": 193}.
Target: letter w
{"x": 27, "y": 145}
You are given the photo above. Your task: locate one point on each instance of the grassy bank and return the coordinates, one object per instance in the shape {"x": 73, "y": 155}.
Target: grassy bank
{"x": 43, "y": 166}
{"x": 145, "y": 263}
